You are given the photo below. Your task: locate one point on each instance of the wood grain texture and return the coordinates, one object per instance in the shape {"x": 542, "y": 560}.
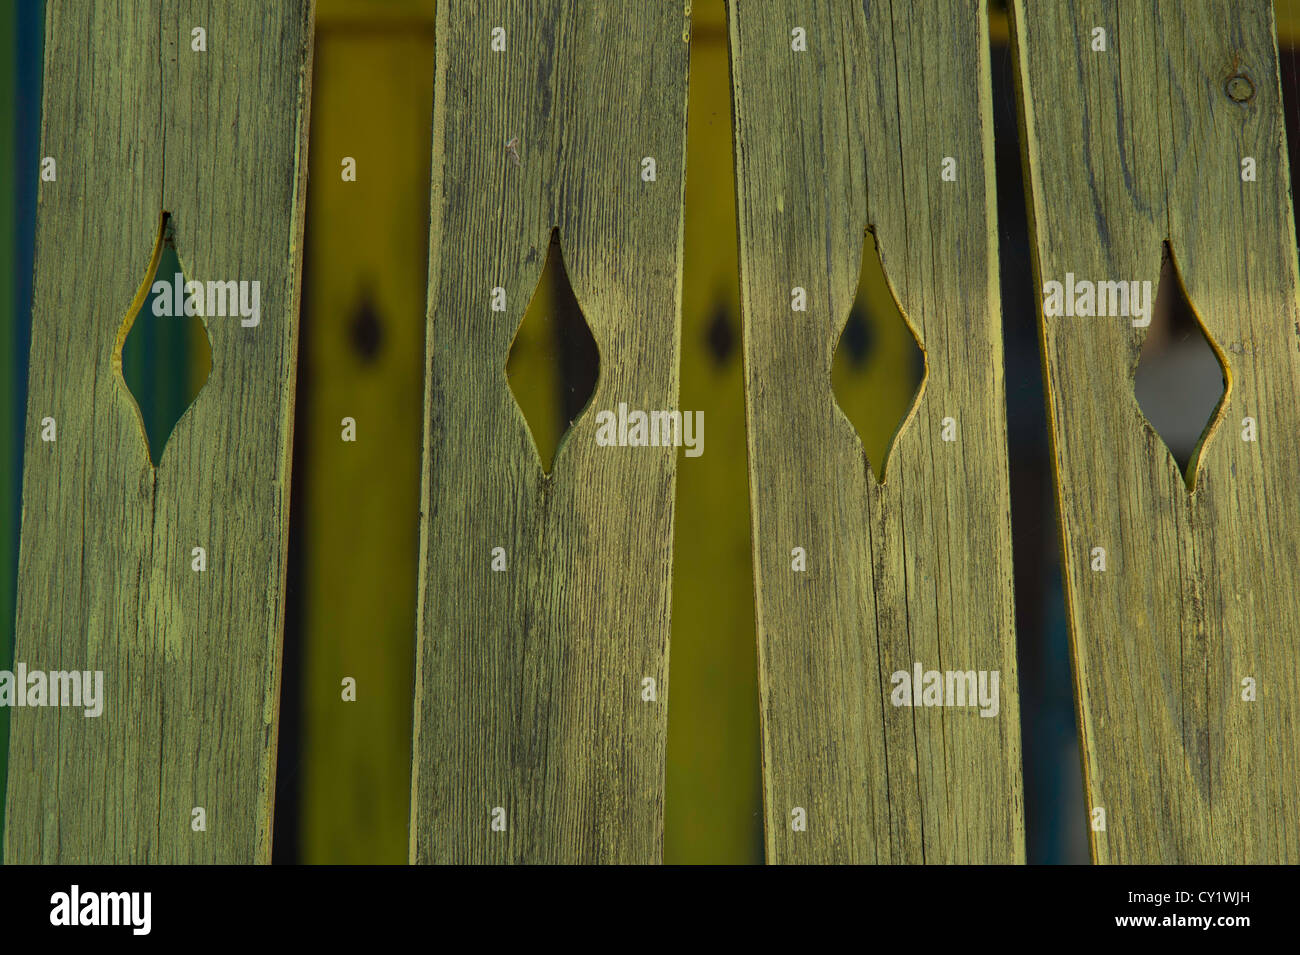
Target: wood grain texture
{"x": 847, "y": 135}
{"x": 1126, "y": 149}
{"x": 140, "y": 125}
{"x": 528, "y": 681}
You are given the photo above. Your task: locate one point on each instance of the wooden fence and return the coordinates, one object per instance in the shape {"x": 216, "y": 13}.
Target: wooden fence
{"x": 541, "y": 603}
{"x": 1186, "y": 651}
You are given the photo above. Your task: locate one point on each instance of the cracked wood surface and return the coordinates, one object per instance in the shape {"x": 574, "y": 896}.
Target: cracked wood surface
{"x": 529, "y": 680}
{"x": 847, "y": 135}
{"x": 1126, "y": 149}
{"x": 140, "y": 124}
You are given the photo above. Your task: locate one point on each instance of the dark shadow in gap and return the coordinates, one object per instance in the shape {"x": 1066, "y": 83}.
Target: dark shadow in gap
{"x": 1055, "y": 821}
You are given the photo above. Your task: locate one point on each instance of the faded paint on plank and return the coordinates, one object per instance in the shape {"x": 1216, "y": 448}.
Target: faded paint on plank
{"x": 1126, "y": 149}
{"x": 847, "y": 135}
{"x": 140, "y": 124}
{"x": 528, "y": 681}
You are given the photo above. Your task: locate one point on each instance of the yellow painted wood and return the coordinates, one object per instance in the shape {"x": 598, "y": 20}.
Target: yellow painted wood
{"x": 534, "y": 366}
{"x": 141, "y": 125}
{"x": 1287, "y": 13}
{"x": 362, "y": 357}
{"x": 384, "y": 17}
{"x": 1126, "y": 149}
{"x": 714, "y": 798}
{"x": 848, "y": 135}
{"x": 529, "y": 681}
{"x": 876, "y": 390}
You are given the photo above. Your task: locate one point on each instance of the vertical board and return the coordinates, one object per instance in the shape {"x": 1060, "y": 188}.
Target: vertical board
{"x": 849, "y": 133}
{"x": 362, "y": 357}
{"x": 529, "y": 680}
{"x": 1127, "y": 147}
{"x": 714, "y": 793}
{"x": 141, "y": 124}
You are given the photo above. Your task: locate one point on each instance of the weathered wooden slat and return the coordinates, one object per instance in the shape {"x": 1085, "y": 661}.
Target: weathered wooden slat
{"x": 1127, "y": 147}
{"x": 529, "y": 680}
{"x": 848, "y": 134}
{"x": 142, "y": 124}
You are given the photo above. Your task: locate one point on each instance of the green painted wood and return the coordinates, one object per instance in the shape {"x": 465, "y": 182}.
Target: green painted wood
{"x": 851, "y": 134}
{"x": 1125, "y": 149}
{"x": 529, "y": 680}
{"x": 142, "y": 125}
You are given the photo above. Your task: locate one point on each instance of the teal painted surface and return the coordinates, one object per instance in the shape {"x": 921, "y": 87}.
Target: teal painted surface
{"x": 165, "y": 360}
{"x": 21, "y": 44}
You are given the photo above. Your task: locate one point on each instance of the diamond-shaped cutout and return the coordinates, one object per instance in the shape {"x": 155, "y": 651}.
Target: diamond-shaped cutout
{"x": 554, "y": 361}
{"x": 1181, "y": 380}
{"x": 878, "y": 367}
{"x": 164, "y": 358}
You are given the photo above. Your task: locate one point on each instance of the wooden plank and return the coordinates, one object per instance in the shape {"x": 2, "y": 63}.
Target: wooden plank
{"x": 141, "y": 125}
{"x": 848, "y": 134}
{"x": 1127, "y": 148}
{"x": 529, "y": 680}
{"x": 362, "y": 357}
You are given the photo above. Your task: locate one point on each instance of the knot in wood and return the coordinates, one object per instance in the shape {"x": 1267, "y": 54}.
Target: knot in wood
{"x": 1240, "y": 88}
